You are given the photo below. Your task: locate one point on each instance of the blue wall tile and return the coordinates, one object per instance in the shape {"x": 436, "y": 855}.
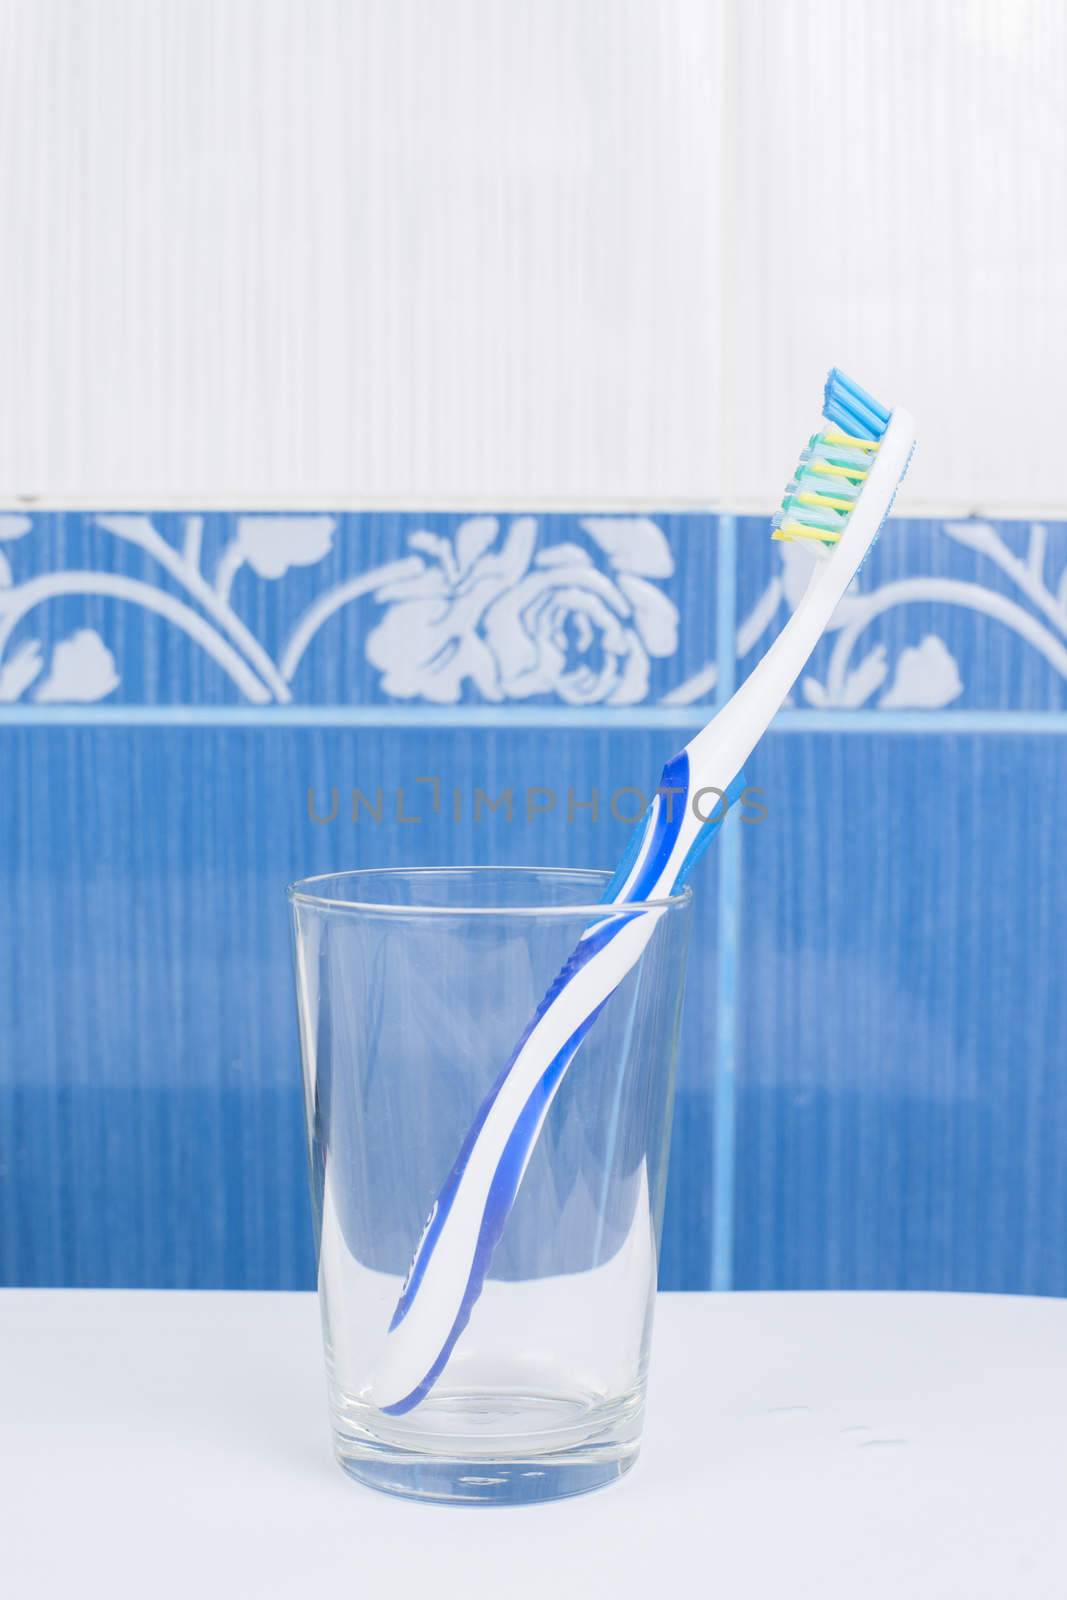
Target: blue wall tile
{"x": 869, "y": 1094}
{"x": 963, "y": 614}
{"x": 902, "y": 1102}
{"x": 353, "y": 608}
{"x": 152, "y": 1115}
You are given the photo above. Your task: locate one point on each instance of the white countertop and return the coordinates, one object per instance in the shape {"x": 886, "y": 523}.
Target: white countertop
{"x": 852, "y": 1445}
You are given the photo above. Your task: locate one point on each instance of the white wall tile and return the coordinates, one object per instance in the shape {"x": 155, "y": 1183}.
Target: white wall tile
{"x": 443, "y": 249}
{"x": 899, "y": 205}
{"x": 526, "y": 249}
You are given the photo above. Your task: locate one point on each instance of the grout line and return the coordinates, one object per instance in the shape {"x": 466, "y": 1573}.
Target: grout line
{"x": 725, "y": 616}
{"x": 595, "y": 719}
{"x": 711, "y": 504}
{"x": 357, "y": 716}
{"x": 1013, "y": 722}
{"x": 726, "y": 95}
{"x": 724, "y": 1154}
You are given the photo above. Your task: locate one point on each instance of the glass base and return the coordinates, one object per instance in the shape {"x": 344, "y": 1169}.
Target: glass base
{"x": 485, "y": 1483}
{"x": 503, "y": 1447}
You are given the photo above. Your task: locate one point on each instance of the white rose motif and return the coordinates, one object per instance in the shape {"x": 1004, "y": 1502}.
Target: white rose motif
{"x": 19, "y": 672}
{"x": 516, "y": 621}
{"x": 82, "y": 670}
{"x": 12, "y": 526}
{"x": 927, "y": 678}
{"x": 271, "y": 545}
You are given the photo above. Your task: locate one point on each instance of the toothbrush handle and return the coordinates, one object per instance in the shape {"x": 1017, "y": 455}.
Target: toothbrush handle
{"x": 721, "y": 749}
{"x": 454, "y": 1254}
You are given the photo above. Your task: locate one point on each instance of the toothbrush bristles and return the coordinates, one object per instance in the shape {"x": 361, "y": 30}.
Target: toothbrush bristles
{"x": 832, "y": 469}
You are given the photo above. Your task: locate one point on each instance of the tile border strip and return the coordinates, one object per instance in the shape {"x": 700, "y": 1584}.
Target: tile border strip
{"x": 598, "y": 720}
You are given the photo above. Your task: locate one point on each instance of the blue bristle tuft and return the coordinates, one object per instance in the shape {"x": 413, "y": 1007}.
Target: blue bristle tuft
{"x": 852, "y": 408}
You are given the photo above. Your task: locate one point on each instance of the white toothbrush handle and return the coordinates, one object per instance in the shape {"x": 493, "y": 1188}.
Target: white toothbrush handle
{"x": 454, "y": 1253}
{"x": 449, "y": 1268}
{"x": 721, "y": 748}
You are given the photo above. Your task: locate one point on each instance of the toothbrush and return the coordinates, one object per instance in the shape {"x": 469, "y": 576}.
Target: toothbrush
{"x": 836, "y": 503}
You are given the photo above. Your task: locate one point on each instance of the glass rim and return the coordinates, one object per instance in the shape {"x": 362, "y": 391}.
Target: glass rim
{"x": 302, "y": 892}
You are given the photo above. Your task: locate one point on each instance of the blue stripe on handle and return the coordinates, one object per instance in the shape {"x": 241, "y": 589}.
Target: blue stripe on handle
{"x": 501, "y": 1198}
{"x": 614, "y": 889}
{"x": 669, "y": 817}
{"x": 670, "y": 814}
{"x": 707, "y": 833}
{"x": 583, "y": 953}
{"x": 665, "y": 817}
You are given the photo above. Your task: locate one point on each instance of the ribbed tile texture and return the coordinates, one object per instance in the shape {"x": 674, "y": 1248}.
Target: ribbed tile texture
{"x": 889, "y": 208}
{"x": 152, "y": 1118}
{"x": 374, "y": 248}
{"x": 902, "y": 1112}
{"x": 577, "y": 249}
{"x": 959, "y": 613}
{"x": 868, "y": 1094}
{"x": 354, "y": 608}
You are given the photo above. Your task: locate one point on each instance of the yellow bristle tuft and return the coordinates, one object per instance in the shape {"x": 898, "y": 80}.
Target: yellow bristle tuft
{"x": 800, "y": 530}
{"x": 854, "y": 473}
{"x": 829, "y": 500}
{"x": 834, "y": 436}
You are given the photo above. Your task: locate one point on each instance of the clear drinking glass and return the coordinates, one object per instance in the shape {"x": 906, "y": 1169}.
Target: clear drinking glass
{"x": 414, "y": 987}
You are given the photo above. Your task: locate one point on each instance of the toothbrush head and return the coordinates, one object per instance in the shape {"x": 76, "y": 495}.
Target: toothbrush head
{"x": 832, "y": 471}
